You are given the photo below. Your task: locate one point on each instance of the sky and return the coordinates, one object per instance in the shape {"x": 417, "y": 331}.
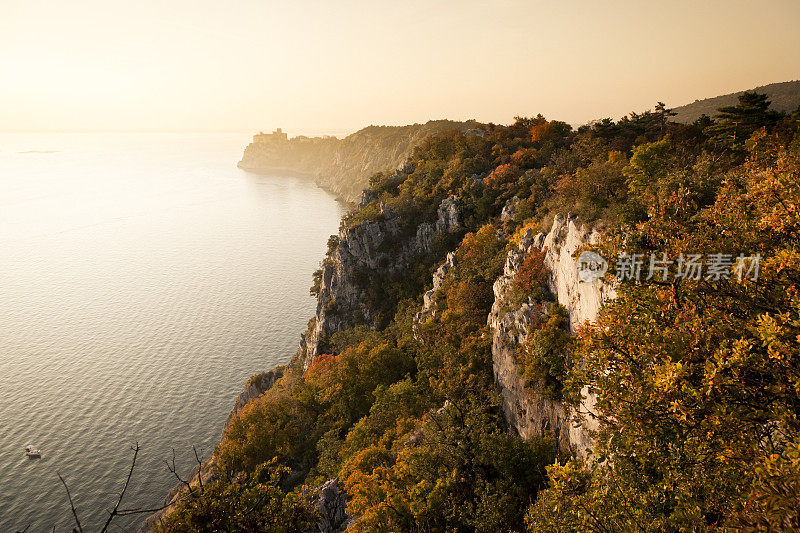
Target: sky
{"x": 334, "y": 66}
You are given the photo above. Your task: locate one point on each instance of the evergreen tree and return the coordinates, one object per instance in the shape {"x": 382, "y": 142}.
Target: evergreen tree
{"x": 664, "y": 113}
{"x": 736, "y": 123}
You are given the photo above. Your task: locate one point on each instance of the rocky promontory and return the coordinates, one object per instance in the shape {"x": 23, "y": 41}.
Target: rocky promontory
{"x": 342, "y": 166}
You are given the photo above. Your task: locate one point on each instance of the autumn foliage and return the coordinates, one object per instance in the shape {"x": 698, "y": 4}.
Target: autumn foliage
{"x": 697, "y": 382}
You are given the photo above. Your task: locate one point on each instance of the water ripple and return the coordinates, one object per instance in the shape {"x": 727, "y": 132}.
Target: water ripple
{"x": 135, "y": 300}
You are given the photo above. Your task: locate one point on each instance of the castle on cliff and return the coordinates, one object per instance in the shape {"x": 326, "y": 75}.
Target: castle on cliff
{"x": 276, "y": 136}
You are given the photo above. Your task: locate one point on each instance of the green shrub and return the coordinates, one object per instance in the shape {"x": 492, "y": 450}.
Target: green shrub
{"x": 256, "y": 501}
{"x": 546, "y": 353}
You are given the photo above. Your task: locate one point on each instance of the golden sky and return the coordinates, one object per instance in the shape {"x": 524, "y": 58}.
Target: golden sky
{"x": 246, "y": 65}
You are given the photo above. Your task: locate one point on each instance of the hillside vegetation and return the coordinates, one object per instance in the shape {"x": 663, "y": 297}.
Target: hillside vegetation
{"x": 785, "y": 96}
{"x": 695, "y": 380}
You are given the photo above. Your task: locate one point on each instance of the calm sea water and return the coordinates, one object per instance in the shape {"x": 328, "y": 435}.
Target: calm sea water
{"x": 143, "y": 279}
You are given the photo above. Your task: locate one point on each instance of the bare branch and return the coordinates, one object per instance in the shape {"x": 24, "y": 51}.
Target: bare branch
{"x": 138, "y": 510}
{"x": 199, "y": 469}
{"x": 72, "y": 506}
{"x": 174, "y": 471}
{"x": 114, "y": 511}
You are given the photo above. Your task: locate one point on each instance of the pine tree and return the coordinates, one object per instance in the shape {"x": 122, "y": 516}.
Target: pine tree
{"x": 664, "y": 113}
{"x": 736, "y": 123}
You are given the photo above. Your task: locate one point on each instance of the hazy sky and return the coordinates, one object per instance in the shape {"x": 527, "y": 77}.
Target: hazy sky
{"x": 331, "y": 66}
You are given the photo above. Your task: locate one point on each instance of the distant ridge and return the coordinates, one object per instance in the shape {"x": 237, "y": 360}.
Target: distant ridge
{"x": 785, "y": 96}
{"x": 342, "y": 166}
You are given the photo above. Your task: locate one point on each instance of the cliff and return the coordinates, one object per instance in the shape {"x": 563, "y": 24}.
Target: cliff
{"x": 343, "y": 303}
{"x": 366, "y": 251}
{"x": 343, "y": 166}
{"x": 529, "y": 411}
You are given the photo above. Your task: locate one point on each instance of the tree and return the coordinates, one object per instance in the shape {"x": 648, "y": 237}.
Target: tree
{"x": 736, "y": 123}
{"x": 664, "y": 113}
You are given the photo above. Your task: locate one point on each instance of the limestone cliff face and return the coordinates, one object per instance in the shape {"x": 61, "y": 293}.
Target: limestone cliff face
{"x": 374, "y": 246}
{"x": 527, "y": 411}
{"x": 582, "y": 300}
{"x": 344, "y": 166}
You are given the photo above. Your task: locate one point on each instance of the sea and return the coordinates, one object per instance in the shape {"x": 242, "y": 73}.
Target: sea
{"x": 143, "y": 279}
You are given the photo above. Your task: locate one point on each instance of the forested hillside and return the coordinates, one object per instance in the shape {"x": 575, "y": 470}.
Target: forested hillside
{"x": 785, "y": 96}
{"x": 449, "y": 381}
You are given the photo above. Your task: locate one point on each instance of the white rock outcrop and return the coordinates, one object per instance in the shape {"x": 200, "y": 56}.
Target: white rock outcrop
{"x": 528, "y": 411}
{"x": 428, "y": 310}
{"x": 331, "y": 503}
{"x": 510, "y": 209}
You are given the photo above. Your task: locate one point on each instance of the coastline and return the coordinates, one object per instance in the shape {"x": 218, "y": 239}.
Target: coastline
{"x": 300, "y": 174}
{"x": 256, "y": 385}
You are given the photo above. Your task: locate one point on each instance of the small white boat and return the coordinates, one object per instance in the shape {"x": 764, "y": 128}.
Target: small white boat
{"x": 30, "y": 451}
